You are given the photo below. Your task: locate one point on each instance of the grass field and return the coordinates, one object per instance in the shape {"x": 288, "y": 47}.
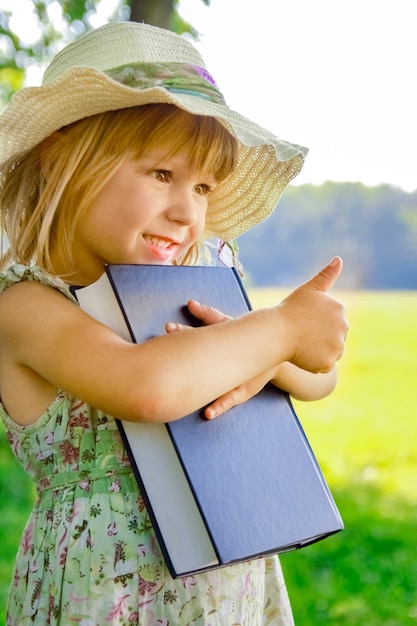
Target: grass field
{"x": 365, "y": 438}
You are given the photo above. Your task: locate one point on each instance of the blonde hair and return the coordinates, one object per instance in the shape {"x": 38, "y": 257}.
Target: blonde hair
{"x": 43, "y": 195}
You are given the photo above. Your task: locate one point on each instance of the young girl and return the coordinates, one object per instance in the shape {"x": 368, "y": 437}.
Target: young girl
{"x": 128, "y": 154}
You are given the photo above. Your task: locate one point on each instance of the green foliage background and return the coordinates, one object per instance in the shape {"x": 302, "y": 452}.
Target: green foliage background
{"x": 365, "y": 437}
{"x": 74, "y": 18}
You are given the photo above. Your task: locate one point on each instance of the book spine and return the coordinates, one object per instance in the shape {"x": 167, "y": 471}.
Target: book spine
{"x": 146, "y": 499}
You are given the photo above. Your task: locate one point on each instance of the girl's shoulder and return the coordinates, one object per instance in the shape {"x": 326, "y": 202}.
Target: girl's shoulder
{"x": 21, "y": 273}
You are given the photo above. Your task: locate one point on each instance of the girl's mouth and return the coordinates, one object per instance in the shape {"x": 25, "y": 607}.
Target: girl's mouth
{"x": 162, "y": 248}
{"x": 160, "y": 243}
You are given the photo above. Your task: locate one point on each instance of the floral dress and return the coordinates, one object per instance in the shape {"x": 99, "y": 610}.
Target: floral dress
{"x": 89, "y": 555}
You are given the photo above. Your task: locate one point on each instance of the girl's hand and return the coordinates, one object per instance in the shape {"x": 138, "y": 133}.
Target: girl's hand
{"x": 239, "y": 394}
{"x": 206, "y": 314}
{"x": 313, "y": 324}
{"x": 299, "y": 383}
{"x": 322, "y": 336}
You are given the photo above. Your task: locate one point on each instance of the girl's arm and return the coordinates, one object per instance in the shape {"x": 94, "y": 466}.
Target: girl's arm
{"x": 303, "y": 385}
{"x": 46, "y": 340}
{"x": 299, "y": 383}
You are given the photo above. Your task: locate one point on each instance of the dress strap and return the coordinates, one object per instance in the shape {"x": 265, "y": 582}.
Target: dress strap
{"x": 19, "y": 273}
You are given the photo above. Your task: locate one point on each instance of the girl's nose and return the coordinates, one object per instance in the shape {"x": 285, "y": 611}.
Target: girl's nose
{"x": 184, "y": 207}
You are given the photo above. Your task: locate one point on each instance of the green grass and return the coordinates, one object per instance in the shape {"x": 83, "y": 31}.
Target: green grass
{"x": 16, "y": 497}
{"x": 365, "y": 438}
{"x": 365, "y": 575}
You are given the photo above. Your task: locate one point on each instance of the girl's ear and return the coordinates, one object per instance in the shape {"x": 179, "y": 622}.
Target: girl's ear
{"x": 47, "y": 152}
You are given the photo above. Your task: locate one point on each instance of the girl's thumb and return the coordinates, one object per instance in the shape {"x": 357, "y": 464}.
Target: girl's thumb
{"x": 325, "y": 279}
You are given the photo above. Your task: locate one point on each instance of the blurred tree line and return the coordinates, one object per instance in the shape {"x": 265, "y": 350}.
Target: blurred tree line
{"x": 374, "y": 230}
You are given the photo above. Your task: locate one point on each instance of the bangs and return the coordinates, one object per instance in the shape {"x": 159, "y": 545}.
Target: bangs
{"x": 210, "y": 147}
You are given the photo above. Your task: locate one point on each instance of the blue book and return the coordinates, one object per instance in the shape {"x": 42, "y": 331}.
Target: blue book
{"x": 242, "y": 486}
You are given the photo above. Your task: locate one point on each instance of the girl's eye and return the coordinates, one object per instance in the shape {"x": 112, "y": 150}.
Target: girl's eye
{"x": 161, "y": 175}
{"x": 203, "y": 189}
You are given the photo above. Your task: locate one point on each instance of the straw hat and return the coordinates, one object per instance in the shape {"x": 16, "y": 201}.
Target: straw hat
{"x": 125, "y": 64}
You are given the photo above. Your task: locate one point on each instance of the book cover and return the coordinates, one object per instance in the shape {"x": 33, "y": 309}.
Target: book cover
{"x": 244, "y": 485}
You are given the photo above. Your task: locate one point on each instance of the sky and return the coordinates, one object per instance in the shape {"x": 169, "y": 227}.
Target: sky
{"x": 337, "y": 76}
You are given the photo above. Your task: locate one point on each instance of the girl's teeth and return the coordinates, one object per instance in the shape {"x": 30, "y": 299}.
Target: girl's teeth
{"x": 159, "y": 242}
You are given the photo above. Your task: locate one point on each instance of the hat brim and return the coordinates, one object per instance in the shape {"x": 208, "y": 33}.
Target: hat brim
{"x": 266, "y": 163}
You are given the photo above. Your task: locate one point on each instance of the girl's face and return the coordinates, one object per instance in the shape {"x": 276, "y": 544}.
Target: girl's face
{"x": 150, "y": 212}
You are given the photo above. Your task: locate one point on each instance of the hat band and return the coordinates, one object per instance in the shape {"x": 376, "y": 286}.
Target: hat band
{"x": 174, "y": 77}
